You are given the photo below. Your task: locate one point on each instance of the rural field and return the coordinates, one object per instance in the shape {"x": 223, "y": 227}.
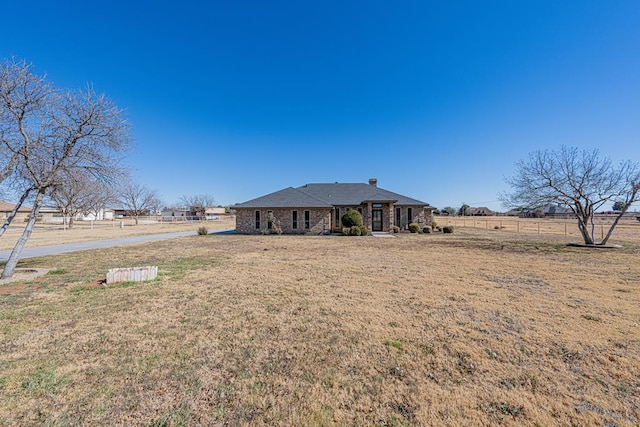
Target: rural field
{"x": 481, "y": 327}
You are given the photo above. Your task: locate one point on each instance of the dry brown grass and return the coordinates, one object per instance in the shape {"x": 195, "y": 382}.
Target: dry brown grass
{"x": 474, "y": 328}
{"x": 48, "y": 234}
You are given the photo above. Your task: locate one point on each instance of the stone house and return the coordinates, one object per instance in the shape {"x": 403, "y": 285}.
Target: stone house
{"x": 481, "y": 211}
{"x": 318, "y": 208}
{"x": 548, "y": 211}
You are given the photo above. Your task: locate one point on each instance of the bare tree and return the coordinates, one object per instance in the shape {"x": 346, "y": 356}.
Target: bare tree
{"x": 23, "y": 95}
{"x": 81, "y": 193}
{"x": 449, "y": 210}
{"x": 138, "y": 200}
{"x": 198, "y": 203}
{"x": 53, "y": 134}
{"x": 578, "y": 179}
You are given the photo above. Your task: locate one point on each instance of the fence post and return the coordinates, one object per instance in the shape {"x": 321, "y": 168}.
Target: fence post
{"x": 601, "y": 232}
{"x": 538, "y": 227}
{"x": 486, "y": 224}
{"x": 517, "y": 226}
{"x": 565, "y": 229}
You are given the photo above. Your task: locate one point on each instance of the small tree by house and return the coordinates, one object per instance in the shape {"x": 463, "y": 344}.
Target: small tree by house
{"x": 353, "y": 224}
{"x": 352, "y": 218}
{"x": 274, "y": 223}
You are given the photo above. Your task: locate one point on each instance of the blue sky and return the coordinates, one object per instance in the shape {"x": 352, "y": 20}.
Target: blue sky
{"x": 437, "y": 100}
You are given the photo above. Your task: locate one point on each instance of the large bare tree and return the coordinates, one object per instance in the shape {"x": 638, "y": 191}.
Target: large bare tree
{"x": 23, "y": 94}
{"x": 580, "y": 180}
{"x": 138, "y": 200}
{"x": 198, "y": 203}
{"x": 54, "y": 133}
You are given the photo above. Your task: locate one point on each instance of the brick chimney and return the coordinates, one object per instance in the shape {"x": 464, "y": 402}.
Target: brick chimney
{"x": 373, "y": 181}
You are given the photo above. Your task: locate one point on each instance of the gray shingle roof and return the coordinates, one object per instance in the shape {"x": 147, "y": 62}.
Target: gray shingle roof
{"x": 286, "y": 198}
{"x": 354, "y": 194}
{"x": 327, "y": 196}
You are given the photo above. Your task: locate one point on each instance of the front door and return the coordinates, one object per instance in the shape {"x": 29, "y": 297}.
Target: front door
{"x": 376, "y": 220}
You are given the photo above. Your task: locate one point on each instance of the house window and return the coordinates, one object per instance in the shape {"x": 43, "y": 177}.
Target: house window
{"x": 397, "y": 219}
{"x": 294, "y": 220}
{"x": 307, "y": 221}
{"x": 377, "y": 205}
{"x": 337, "y": 217}
{"x": 410, "y": 215}
{"x": 269, "y": 220}
{"x": 257, "y": 220}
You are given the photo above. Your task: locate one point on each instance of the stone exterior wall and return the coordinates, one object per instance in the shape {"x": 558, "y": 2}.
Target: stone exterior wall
{"x": 319, "y": 221}
{"x": 323, "y": 219}
{"x": 421, "y": 216}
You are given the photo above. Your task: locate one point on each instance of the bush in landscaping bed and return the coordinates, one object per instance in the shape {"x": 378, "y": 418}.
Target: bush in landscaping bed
{"x": 355, "y": 231}
{"x": 414, "y": 228}
{"x": 426, "y": 230}
{"x": 396, "y": 229}
{"x": 202, "y": 231}
{"x": 447, "y": 229}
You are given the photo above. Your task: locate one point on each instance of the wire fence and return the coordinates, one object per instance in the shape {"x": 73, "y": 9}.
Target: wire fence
{"x": 627, "y": 229}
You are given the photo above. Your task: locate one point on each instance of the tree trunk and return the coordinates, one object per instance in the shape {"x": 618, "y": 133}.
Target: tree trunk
{"x": 584, "y": 230}
{"x": 14, "y": 212}
{"x": 624, "y": 210}
{"x": 70, "y": 222}
{"x": 615, "y": 222}
{"x": 17, "y": 249}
